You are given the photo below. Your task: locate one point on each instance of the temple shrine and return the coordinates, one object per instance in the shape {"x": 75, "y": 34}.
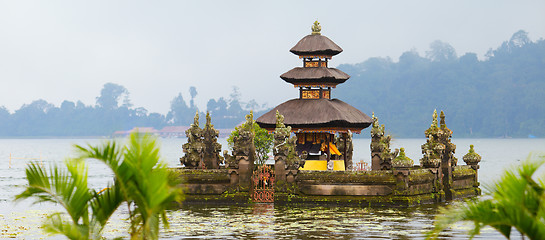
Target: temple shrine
{"x": 312, "y": 148}
{"x": 315, "y": 117}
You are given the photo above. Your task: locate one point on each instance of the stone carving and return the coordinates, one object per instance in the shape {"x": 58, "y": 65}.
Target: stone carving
{"x": 402, "y": 161}
{"x": 194, "y": 148}
{"x": 438, "y": 146}
{"x": 284, "y": 145}
{"x": 472, "y": 158}
{"x": 202, "y": 147}
{"x": 349, "y": 149}
{"x": 381, "y": 155}
{"x": 212, "y": 148}
{"x": 243, "y": 144}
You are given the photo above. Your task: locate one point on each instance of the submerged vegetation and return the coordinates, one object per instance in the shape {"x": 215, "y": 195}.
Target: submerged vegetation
{"x": 141, "y": 181}
{"x": 516, "y": 201}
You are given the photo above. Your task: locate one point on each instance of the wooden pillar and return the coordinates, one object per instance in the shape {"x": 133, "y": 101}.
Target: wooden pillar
{"x": 328, "y": 150}
{"x": 345, "y": 137}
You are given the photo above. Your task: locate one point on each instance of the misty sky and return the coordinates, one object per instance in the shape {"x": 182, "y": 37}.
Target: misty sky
{"x": 67, "y": 50}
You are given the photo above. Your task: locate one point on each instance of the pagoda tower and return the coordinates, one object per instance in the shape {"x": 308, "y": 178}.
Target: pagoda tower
{"x": 315, "y": 117}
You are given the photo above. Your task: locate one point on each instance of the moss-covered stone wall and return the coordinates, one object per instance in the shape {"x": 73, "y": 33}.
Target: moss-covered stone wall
{"x": 404, "y": 187}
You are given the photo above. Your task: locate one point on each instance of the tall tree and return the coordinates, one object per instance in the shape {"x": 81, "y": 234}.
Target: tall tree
{"x": 193, "y": 93}
{"x": 441, "y": 51}
{"x": 180, "y": 113}
{"x": 111, "y": 94}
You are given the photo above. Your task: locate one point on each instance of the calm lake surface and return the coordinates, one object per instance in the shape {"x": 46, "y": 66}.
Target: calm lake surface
{"x": 258, "y": 221}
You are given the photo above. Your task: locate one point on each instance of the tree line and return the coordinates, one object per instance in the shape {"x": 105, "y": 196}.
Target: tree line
{"x": 500, "y": 96}
{"x": 113, "y": 111}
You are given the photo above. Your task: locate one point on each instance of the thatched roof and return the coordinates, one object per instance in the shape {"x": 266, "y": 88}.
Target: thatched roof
{"x": 317, "y": 114}
{"x": 316, "y": 45}
{"x": 300, "y": 75}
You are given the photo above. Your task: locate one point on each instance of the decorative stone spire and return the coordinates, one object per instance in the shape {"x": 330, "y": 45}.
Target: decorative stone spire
{"x": 434, "y": 122}
{"x": 442, "y": 122}
{"x": 472, "y": 158}
{"x": 316, "y": 28}
{"x": 196, "y": 119}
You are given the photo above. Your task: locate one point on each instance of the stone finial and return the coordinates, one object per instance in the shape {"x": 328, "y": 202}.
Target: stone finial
{"x": 442, "y": 122}
{"x": 434, "y": 122}
{"x": 316, "y": 28}
{"x": 472, "y": 158}
{"x": 196, "y": 119}
{"x": 208, "y": 119}
{"x": 250, "y": 119}
{"x": 402, "y": 161}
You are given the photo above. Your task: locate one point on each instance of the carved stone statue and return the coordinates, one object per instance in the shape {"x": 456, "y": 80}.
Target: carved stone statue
{"x": 243, "y": 154}
{"x": 381, "y": 155}
{"x": 194, "y": 148}
{"x": 202, "y": 147}
{"x": 340, "y": 142}
{"x": 212, "y": 148}
{"x": 284, "y": 145}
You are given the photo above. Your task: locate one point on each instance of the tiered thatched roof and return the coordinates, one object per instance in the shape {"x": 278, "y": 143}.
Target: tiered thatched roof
{"x": 315, "y": 44}
{"x": 300, "y": 75}
{"x": 310, "y": 115}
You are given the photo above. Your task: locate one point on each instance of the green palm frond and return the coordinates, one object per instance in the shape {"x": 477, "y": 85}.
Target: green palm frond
{"x": 56, "y": 225}
{"x": 105, "y": 203}
{"x": 67, "y": 188}
{"x": 517, "y": 201}
{"x": 143, "y": 181}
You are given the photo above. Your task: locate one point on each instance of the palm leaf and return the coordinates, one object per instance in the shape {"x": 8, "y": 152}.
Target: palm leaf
{"x": 515, "y": 201}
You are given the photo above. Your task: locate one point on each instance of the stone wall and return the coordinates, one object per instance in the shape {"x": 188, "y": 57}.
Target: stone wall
{"x": 399, "y": 188}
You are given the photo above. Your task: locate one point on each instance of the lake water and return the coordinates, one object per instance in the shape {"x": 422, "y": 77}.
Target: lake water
{"x": 257, "y": 221}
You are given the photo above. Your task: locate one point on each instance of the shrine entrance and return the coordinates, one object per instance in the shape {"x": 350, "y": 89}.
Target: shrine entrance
{"x": 263, "y": 184}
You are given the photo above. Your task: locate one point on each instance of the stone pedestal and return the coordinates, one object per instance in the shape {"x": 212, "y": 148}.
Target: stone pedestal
{"x": 245, "y": 170}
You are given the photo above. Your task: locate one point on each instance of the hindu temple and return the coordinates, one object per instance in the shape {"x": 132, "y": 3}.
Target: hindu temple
{"x": 312, "y": 148}
{"x": 315, "y": 117}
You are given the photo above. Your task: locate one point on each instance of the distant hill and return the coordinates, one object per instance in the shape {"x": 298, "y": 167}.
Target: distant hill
{"x": 501, "y": 96}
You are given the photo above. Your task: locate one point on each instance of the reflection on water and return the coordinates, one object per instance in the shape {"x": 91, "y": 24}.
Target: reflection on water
{"x": 256, "y": 221}
{"x": 269, "y": 221}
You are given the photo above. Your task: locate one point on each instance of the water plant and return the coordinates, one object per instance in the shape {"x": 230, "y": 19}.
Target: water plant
{"x": 141, "y": 181}
{"x": 516, "y": 201}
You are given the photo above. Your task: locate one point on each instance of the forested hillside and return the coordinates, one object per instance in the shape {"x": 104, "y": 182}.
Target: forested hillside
{"x": 500, "y": 96}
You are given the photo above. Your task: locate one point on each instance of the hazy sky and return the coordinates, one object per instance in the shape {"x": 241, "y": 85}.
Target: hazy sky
{"x": 67, "y": 50}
